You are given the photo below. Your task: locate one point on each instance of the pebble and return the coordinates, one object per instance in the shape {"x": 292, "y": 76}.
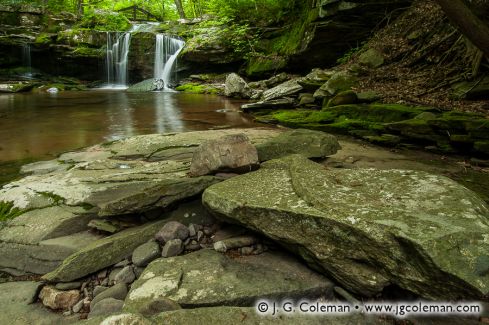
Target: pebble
{"x": 146, "y": 253}
{"x": 79, "y": 305}
{"x": 200, "y": 234}
{"x": 192, "y": 231}
{"x": 122, "y": 263}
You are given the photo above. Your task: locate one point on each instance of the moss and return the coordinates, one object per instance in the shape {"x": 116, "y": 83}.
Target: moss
{"x": 8, "y": 211}
{"x": 258, "y": 65}
{"x": 45, "y": 38}
{"x": 53, "y": 197}
{"x": 196, "y": 88}
{"x": 105, "y": 21}
{"x": 85, "y": 51}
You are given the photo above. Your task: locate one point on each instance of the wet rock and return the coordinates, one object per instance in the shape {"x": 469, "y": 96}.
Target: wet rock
{"x": 59, "y": 300}
{"x": 233, "y": 153}
{"x": 332, "y": 215}
{"x": 227, "y": 281}
{"x": 118, "y": 291}
{"x": 126, "y": 275}
{"x": 78, "y": 306}
{"x": 172, "y": 230}
{"x": 113, "y": 274}
{"x": 43, "y": 167}
{"x": 285, "y": 89}
{"x": 106, "y": 306}
{"x": 281, "y": 103}
{"x": 146, "y": 86}
{"x": 172, "y": 248}
{"x": 237, "y": 87}
{"x": 103, "y": 253}
{"x": 311, "y": 144}
{"x": 368, "y": 97}
{"x": 146, "y": 253}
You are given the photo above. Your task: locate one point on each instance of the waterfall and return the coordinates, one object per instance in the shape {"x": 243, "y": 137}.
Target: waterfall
{"x": 118, "y": 45}
{"x": 166, "y": 53}
{"x": 26, "y": 59}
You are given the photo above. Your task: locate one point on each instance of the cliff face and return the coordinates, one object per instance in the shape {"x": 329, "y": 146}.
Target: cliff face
{"x": 320, "y": 33}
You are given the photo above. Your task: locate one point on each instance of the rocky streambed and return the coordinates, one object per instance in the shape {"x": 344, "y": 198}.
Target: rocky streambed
{"x": 195, "y": 227}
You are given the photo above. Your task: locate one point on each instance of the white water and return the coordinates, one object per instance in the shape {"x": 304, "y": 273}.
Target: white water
{"x": 166, "y": 53}
{"x": 26, "y": 59}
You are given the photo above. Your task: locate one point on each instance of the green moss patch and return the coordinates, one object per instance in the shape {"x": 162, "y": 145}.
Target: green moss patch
{"x": 196, "y": 88}
{"x": 8, "y": 211}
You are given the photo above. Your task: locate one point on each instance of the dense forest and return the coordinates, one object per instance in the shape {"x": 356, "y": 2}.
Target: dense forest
{"x": 244, "y": 162}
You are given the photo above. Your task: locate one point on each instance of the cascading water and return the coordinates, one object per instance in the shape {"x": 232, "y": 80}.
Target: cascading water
{"x": 166, "y": 53}
{"x": 26, "y": 59}
{"x": 118, "y": 45}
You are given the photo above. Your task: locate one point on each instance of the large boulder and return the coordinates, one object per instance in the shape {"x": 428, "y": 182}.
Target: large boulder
{"x": 311, "y": 144}
{"x": 366, "y": 228}
{"x": 232, "y": 153}
{"x": 285, "y": 89}
{"x": 208, "y": 278}
{"x": 237, "y": 87}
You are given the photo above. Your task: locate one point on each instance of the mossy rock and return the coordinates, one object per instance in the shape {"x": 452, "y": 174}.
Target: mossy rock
{"x": 263, "y": 65}
{"x": 343, "y": 98}
{"x": 196, "y": 88}
{"x": 388, "y": 140}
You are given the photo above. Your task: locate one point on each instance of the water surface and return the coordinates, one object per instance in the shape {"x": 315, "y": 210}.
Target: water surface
{"x": 41, "y": 126}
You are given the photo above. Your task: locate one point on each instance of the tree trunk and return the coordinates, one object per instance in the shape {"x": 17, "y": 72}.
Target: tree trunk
{"x": 181, "y": 13}
{"x": 460, "y": 14}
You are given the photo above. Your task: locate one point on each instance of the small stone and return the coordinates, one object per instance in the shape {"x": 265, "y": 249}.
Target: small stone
{"x": 67, "y": 313}
{"x": 208, "y": 231}
{"x": 200, "y": 234}
{"x": 68, "y": 286}
{"x": 105, "y": 282}
{"x": 113, "y": 274}
{"x": 146, "y": 253}
{"x": 103, "y": 225}
{"x": 85, "y": 292}
{"x": 106, "y": 307}
{"x": 172, "y": 230}
{"x": 58, "y": 300}
{"x": 192, "y": 231}
{"x": 235, "y": 242}
{"x": 172, "y": 248}
{"x": 260, "y": 249}
{"x": 186, "y": 242}
{"x": 126, "y": 275}
{"x": 119, "y": 291}
{"x": 99, "y": 289}
{"x": 78, "y": 306}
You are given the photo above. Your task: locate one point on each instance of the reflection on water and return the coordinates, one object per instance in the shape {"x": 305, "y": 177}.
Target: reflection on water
{"x": 41, "y": 126}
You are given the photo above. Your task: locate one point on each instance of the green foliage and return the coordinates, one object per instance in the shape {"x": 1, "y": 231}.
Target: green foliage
{"x": 8, "y": 211}
{"x": 104, "y": 21}
{"x": 44, "y": 38}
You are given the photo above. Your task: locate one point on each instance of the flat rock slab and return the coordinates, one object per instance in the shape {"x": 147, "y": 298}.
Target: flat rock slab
{"x": 17, "y": 308}
{"x": 103, "y": 253}
{"x": 129, "y": 176}
{"x": 367, "y": 228}
{"x": 208, "y": 278}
